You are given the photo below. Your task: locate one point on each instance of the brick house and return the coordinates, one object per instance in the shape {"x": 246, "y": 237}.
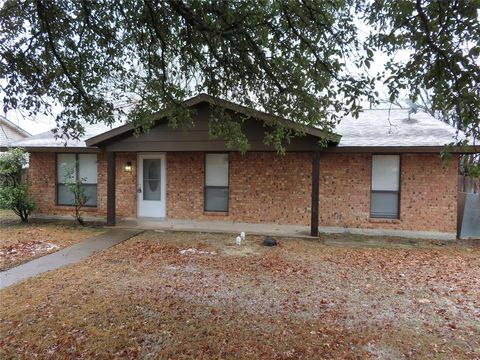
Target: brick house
{"x": 383, "y": 172}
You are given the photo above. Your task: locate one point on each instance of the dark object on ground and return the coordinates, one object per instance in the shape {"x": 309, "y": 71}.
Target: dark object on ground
{"x": 269, "y": 241}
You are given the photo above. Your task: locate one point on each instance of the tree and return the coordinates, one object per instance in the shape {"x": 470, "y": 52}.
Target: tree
{"x": 13, "y": 190}
{"x": 75, "y": 185}
{"x": 102, "y": 59}
{"x": 301, "y": 60}
{"x": 443, "y": 42}
{"x": 469, "y": 163}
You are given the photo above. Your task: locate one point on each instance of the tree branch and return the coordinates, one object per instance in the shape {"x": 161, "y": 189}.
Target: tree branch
{"x": 41, "y": 12}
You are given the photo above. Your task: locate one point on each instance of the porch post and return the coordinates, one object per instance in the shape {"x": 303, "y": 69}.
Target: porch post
{"x": 315, "y": 192}
{"x": 110, "y": 188}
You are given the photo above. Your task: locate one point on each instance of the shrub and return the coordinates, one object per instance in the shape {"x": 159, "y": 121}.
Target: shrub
{"x": 14, "y": 193}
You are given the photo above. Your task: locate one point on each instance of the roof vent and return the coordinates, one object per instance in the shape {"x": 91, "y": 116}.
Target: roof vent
{"x": 409, "y": 120}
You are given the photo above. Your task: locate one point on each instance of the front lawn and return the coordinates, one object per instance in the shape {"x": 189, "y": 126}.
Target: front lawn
{"x": 196, "y": 295}
{"x": 23, "y": 242}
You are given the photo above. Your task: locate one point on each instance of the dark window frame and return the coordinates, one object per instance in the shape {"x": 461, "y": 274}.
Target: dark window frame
{"x": 215, "y": 187}
{"x": 77, "y": 171}
{"x": 398, "y": 192}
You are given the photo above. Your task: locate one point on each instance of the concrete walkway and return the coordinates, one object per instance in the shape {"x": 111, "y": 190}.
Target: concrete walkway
{"x": 66, "y": 256}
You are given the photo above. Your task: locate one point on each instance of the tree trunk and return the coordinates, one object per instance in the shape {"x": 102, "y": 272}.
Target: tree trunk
{"x": 24, "y": 216}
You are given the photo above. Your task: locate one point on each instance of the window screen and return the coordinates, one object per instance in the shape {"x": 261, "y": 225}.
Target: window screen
{"x": 73, "y": 167}
{"x": 216, "y": 182}
{"x": 385, "y": 186}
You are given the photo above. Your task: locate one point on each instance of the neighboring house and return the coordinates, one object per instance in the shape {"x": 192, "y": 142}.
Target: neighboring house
{"x": 9, "y": 132}
{"x": 383, "y": 173}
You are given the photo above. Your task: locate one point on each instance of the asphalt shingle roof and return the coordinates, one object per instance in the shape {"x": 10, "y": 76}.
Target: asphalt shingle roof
{"x": 374, "y": 128}
{"x": 395, "y": 127}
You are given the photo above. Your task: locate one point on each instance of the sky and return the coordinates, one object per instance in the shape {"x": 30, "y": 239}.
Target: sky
{"x": 33, "y": 126}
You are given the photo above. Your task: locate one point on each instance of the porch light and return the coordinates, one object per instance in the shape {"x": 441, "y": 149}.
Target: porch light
{"x": 128, "y": 166}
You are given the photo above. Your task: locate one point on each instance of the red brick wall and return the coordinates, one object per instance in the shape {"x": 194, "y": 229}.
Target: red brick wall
{"x": 265, "y": 187}
{"x": 126, "y": 186}
{"x": 101, "y": 185}
{"x": 429, "y": 193}
{"x": 428, "y": 199}
{"x": 41, "y": 174}
{"x": 185, "y": 175}
{"x": 344, "y": 189}
{"x": 252, "y": 178}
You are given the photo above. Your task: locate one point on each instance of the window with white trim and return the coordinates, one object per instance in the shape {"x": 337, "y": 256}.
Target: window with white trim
{"x": 216, "y": 182}
{"x": 80, "y": 167}
{"x": 385, "y": 195}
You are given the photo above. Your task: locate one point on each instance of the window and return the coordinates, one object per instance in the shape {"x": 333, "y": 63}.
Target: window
{"x": 216, "y": 182}
{"x": 152, "y": 179}
{"x": 80, "y": 167}
{"x": 385, "y": 198}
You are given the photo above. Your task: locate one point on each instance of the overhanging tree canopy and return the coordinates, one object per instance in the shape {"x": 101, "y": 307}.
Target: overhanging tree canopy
{"x": 443, "y": 38}
{"x": 301, "y": 60}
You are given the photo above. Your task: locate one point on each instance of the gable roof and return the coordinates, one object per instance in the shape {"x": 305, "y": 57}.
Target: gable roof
{"x": 373, "y": 130}
{"x": 6, "y": 122}
{"x": 228, "y": 105}
{"x": 47, "y": 139}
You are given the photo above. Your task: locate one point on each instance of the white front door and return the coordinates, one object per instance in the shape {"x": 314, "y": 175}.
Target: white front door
{"x": 151, "y": 185}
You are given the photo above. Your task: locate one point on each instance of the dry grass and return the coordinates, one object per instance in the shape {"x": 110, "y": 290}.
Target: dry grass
{"x": 301, "y": 299}
{"x": 23, "y": 242}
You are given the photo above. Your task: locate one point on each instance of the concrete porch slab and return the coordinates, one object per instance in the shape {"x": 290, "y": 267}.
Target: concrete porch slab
{"x": 299, "y": 231}
{"x": 260, "y": 229}
{"x": 215, "y": 227}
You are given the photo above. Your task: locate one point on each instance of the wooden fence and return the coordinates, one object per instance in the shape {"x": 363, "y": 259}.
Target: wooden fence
{"x": 468, "y": 185}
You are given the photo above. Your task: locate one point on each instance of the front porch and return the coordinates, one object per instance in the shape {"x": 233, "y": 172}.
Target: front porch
{"x": 258, "y": 187}
{"x": 264, "y": 189}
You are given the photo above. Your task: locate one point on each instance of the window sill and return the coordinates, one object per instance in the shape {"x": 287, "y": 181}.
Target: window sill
{"x": 215, "y": 213}
{"x": 385, "y": 220}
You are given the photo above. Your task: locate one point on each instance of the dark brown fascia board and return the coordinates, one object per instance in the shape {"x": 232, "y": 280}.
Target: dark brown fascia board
{"x": 342, "y": 149}
{"x": 401, "y": 149}
{"x": 109, "y": 135}
{"x": 204, "y": 98}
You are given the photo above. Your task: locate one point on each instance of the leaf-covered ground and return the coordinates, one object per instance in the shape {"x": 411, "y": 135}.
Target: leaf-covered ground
{"x": 23, "y": 242}
{"x": 146, "y": 298}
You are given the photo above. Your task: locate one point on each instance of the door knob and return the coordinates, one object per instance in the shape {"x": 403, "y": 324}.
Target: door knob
{"x": 139, "y": 190}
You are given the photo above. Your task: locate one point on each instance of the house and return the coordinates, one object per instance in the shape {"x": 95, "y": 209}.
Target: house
{"x": 9, "y": 132}
{"x": 382, "y": 173}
